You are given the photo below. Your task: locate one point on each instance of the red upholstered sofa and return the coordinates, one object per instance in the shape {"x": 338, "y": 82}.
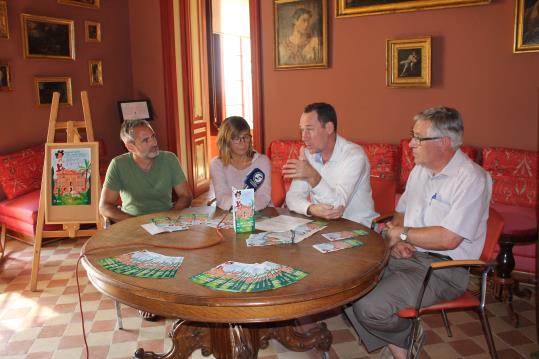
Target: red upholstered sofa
{"x": 514, "y": 174}
{"x": 20, "y": 183}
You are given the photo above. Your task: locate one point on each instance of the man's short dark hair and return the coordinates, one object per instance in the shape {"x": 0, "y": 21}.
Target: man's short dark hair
{"x": 326, "y": 113}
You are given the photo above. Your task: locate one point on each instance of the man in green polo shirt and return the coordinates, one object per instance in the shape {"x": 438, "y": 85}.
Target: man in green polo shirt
{"x": 143, "y": 178}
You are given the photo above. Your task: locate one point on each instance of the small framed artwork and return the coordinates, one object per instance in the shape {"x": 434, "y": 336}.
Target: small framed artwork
{"x": 408, "y": 62}
{"x": 526, "y": 26}
{"x": 92, "y": 31}
{"x": 91, "y": 4}
{"x": 46, "y": 86}
{"x": 4, "y": 27}
{"x": 135, "y": 110}
{"x": 72, "y": 182}
{"x": 371, "y": 7}
{"x": 5, "y": 77}
{"x": 47, "y": 37}
{"x": 300, "y": 34}
{"x": 96, "y": 72}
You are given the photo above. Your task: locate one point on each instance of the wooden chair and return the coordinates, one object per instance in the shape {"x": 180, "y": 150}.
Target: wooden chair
{"x": 468, "y": 300}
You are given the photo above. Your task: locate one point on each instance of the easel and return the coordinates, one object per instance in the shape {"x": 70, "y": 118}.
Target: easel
{"x": 70, "y": 230}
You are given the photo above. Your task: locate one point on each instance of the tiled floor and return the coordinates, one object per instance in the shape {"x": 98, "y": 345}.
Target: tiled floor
{"x": 46, "y": 324}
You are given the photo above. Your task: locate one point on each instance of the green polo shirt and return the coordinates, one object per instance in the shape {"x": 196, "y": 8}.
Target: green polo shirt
{"x": 144, "y": 192}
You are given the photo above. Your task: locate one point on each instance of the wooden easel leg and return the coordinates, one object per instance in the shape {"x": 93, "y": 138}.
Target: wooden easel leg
{"x": 35, "y": 261}
{"x": 39, "y": 230}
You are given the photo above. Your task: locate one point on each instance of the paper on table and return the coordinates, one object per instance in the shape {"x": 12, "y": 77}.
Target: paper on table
{"x": 281, "y": 223}
{"x": 153, "y": 229}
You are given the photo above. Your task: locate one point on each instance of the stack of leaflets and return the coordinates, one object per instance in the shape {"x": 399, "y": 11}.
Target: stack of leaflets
{"x": 337, "y": 246}
{"x": 295, "y": 235}
{"x": 164, "y": 224}
{"x": 143, "y": 264}
{"x": 228, "y": 223}
{"x": 336, "y": 236}
{"x": 192, "y": 219}
{"x": 223, "y": 223}
{"x": 248, "y": 277}
{"x": 341, "y": 240}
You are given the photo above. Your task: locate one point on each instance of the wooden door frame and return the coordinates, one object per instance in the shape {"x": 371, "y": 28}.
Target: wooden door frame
{"x": 169, "y": 75}
{"x": 256, "y": 70}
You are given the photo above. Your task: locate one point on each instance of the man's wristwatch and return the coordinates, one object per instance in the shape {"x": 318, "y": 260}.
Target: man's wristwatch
{"x": 404, "y": 235}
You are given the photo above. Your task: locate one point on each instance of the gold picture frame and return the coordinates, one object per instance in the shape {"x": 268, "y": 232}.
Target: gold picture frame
{"x": 344, "y": 8}
{"x": 71, "y": 182}
{"x": 47, "y": 37}
{"x": 4, "y": 25}
{"x": 45, "y": 86}
{"x": 5, "y": 77}
{"x": 90, "y": 4}
{"x": 408, "y": 62}
{"x": 300, "y": 34}
{"x": 96, "y": 72}
{"x": 526, "y": 26}
{"x": 92, "y": 31}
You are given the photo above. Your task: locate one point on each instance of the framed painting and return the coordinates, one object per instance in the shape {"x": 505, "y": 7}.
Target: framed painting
{"x": 92, "y": 31}
{"x": 71, "y": 182}
{"x": 47, "y": 37}
{"x": 46, "y": 86}
{"x": 5, "y": 77}
{"x": 91, "y": 4}
{"x": 4, "y": 27}
{"x": 526, "y": 26}
{"x": 135, "y": 110}
{"x": 96, "y": 72}
{"x": 408, "y": 62}
{"x": 370, "y": 7}
{"x": 300, "y": 34}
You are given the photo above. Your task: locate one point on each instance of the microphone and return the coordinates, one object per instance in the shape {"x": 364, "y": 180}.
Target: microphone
{"x": 254, "y": 179}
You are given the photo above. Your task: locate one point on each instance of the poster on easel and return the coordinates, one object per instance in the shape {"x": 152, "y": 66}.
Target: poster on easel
{"x": 72, "y": 182}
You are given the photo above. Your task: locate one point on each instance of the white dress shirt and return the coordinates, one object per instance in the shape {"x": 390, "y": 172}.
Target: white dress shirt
{"x": 345, "y": 181}
{"x": 457, "y": 199}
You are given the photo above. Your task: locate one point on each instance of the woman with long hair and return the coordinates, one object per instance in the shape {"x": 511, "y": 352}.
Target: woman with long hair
{"x": 236, "y": 160}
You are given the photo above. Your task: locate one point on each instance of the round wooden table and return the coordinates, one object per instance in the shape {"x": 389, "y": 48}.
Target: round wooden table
{"x": 236, "y": 325}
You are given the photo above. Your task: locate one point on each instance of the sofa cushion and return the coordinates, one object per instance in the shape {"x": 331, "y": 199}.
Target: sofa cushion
{"x": 407, "y": 160}
{"x": 382, "y": 158}
{"x": 280, "y": 151}
{"x": 514, "y": 191}
{"x": 20, "y": 214}
{"x": 22, "y": 208}
{"x": 20, "y": 172}
{"x": 514, "y": 173}
{"x": 518, "y": 219}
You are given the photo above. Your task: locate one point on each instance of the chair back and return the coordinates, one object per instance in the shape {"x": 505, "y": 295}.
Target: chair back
{"x": 494, "y": 230}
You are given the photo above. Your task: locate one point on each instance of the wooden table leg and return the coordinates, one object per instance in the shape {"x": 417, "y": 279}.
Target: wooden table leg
{"x": 503, "y": 282}
{"x": 235, "y": 341}
{"x": 2, "y": 240}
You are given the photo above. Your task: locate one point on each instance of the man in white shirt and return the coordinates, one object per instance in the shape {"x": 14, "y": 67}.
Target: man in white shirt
{"x": 331, "y": 177}
{"x": 442, "y": 215}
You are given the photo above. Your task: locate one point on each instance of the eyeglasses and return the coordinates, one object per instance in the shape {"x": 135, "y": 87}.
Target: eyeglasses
{"x": 419, "y": 140}
{"x": 244, "y": 138}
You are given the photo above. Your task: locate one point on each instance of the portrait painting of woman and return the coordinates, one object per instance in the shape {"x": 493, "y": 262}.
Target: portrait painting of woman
{"x": 300, "y": 32}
